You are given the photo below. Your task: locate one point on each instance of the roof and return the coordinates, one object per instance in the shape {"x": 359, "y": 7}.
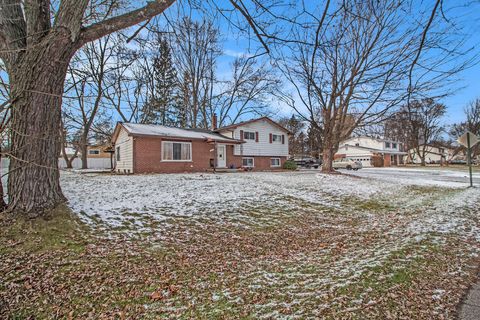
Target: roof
{"x": 373, "y": 138}
{"x": 375, "y": 150}
{"x": 137, "y": 129}
{"x": 233, "y": 126}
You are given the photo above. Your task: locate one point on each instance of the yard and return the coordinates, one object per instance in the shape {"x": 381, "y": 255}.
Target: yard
{"x": 389, "y": 243}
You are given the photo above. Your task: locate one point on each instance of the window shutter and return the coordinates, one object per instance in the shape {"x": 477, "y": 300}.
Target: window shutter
{"x": 256, "y": 136}
{"x": 271, "y": 138}
{"x": 241, "y": 135}
{"x": 283, "y": 139}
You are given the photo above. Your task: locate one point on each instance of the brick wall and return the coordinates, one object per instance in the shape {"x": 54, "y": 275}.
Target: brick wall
{"x": 387, "y": 160}
{"x": 148, "y": 156}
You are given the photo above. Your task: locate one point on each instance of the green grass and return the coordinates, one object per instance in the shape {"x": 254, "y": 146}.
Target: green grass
{"x": 58, "y": 229}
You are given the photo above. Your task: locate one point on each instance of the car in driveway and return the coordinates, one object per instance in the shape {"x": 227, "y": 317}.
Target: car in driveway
{"x": 347, "y": 163}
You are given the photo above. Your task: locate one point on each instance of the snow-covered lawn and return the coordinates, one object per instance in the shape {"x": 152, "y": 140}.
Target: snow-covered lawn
{"x": 296, "y": 244}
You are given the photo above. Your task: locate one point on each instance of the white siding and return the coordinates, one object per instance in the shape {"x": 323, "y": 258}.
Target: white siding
{"x": 263, "y": 147}
{"x": 92, "y": 163}
{"x": 125, "y": 142}
{"x": 372, "y": 143}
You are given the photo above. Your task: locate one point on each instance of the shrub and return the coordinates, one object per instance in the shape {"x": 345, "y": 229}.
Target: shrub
{"x": 290, "y": 165}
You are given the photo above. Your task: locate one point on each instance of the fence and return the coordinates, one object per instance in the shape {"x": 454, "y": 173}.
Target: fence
{"x": 93, "y": 163}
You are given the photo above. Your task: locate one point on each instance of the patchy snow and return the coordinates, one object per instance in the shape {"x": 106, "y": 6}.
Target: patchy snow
{"x": 114, "y": 198}
{"x": 359, "y": 223}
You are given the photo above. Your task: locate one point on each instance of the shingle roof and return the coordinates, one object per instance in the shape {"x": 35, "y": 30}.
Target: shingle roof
{"x": 166, "y": 131}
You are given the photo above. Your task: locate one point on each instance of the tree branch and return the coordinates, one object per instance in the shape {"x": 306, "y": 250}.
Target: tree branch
{"x": 98, "y": 30}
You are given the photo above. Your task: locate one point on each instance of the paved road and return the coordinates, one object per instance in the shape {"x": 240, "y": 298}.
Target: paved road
{"x": 414, "y": 176}
{"x": 470, "y": 309}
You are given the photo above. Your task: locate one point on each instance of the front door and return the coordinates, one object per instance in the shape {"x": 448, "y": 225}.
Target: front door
{"x": 221, "y": 156}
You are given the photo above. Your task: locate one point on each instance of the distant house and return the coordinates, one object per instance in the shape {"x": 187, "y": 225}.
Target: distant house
{"x": 99, "y": 151}
{"x": 259, "y": 144}
{"x": 372, "y": 152}
{"x": 98, "y": 157}
{"x": 433, "y": 154}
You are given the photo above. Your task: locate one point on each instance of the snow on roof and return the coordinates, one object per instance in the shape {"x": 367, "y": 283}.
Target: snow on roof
{"x": 375, "y": 150}
{"x": 165, "y": 131}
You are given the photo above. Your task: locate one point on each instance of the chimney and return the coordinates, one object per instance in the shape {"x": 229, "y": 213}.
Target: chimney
{"x": 214, "y": 122}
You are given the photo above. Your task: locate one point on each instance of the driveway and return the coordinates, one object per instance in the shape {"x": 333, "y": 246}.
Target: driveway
{"x": 417, "y": 176}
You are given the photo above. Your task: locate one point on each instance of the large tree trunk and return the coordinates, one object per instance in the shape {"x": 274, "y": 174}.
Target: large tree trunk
{"x": 37, "y": 84}
{"x": 3, "y": 204}
{"x": 83, "y": 151}
{"x": 328, "y": 154}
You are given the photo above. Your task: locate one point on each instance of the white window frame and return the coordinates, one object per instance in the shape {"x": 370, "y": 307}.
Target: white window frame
{"x": 93, "y": 151}
{"x": 279, "y": 136}
{"x": 250, "y": 133}
{"x": 253, "y": 162}
{"x": 276, "y": 166}
{"x": 387, "y": 145}
{"x": 172, "y": 142}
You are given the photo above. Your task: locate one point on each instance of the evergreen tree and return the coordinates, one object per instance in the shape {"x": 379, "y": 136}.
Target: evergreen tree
{"x": 159, "y": 110}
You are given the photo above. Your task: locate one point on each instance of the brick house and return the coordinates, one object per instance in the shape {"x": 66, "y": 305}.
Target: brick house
{"x": 258, "y": 144}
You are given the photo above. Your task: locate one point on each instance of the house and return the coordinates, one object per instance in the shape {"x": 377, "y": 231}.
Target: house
{"x": 433, "y": 154}
{"x": 258, "y": 144}
{"x": 372, "y": 151}
{"x": 98, "y": 157}
{"x": 99, "y": 151}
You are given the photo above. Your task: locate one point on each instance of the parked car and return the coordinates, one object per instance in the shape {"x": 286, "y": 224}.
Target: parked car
{"x": 308, "y": 162}
{"x": 458, "y": 161}
{"x": 347, "y": 163}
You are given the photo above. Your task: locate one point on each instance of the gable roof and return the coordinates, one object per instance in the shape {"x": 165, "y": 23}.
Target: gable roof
{"x": 137, "y": 129}
{"x": 236, "y": 125}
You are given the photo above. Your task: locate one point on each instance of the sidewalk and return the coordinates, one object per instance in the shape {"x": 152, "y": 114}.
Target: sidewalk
{"x": 470, "y": 308}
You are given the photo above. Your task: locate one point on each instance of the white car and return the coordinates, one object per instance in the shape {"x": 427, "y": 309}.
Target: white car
{"x": 346, "y": 163}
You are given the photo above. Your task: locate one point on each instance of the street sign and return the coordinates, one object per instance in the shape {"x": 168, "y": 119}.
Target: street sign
{"x": 468, "y": 140}
{"x": 463, "y": 140}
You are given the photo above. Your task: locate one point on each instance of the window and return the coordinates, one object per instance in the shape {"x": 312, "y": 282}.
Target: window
{"x": 247, "y": 135}
{"x": 176, "y": 151}
{"x": 93, "y": 151}
{"x": 275, "y": 162}
{"x": 387, "y": 144}
{"x": 118, "y": 153}
{"x": 276, "y": 137}
{"x": 394, "y": 145}
{"x": 248, "y": 162}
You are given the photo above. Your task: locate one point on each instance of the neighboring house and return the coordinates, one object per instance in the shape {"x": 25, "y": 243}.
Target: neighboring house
{"x": 259, "y": 144}
{"x": 98, "y": 157}
{"x": 372, "y": 152}
{"x": 433, "y": 154}
{"x": 99, "y": 151}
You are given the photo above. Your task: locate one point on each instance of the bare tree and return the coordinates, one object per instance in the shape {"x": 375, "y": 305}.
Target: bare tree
{"x": 86, "y": 85}
{"x": 249, "y": 91}
{"x": 195, "y": 52}
{"x": 353, "y": 66}
{"x": 34, "y": 38}
{"x": 350, "y": 74}
{"x": 424, "y": 125}
{"x": 472, "y": 124}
